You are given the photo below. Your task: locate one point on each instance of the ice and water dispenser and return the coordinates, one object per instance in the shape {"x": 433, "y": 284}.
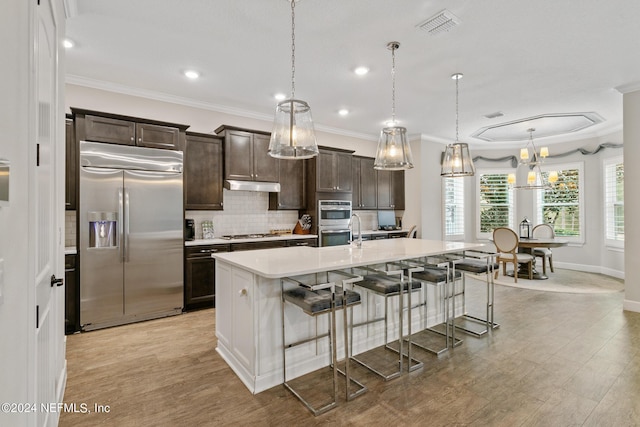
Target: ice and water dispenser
{"x": 103, "y": 229}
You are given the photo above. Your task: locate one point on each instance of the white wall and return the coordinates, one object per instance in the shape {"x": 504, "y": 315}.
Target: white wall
{"x": 631, "y": 199}
{"x": 592, "y": 255}
{"x": 17, "y": 319}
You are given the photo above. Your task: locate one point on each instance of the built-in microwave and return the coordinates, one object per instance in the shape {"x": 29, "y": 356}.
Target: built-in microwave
{"x": 334, "y": 212}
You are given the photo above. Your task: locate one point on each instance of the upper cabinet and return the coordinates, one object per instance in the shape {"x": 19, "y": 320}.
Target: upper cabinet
{"x": 123, "y": 130}
{"x": 364, "y": 195}
{"x": 203, "y": 172}
{"x": 292, "y": 195}
{"x": 333, "y": 170}
{"x": 70, "y": 166}
{"x": 390, "y": 189}
{"x": 246, "y": 155}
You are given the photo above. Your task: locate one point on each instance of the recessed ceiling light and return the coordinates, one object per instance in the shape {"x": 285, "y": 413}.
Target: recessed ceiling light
{"x": 343, "y": 112}
{"x": 361, "y": 71}
{"x": 280, "y": 96}
{"x": 68, "y": 44}
{"x": 192, "y": 74}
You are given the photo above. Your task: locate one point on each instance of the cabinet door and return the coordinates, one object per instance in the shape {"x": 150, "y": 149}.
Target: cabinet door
{"x": 343, "y": 174}
{"x": 384, "y": 189}
{"x": 368, "y": 184}
{"x": 203, "y": 173}
{"x": 200, "y": 280}
{"x": 157, "y": 136}
{"x": 71, "y": 295}
{"x": 238, "y": 152}
{"x": 114, "y": 131}
{"x": 398, "y": 190}
{"x": 292, "y": 184}
{"x": 325, "y": 174}
{"x": 356, "y": 196}
{"x": 265, "y": 167}
{"x": 70, "y": 167}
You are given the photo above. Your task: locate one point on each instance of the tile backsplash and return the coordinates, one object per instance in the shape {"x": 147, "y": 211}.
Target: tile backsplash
{"x": 69, "y": 228}
{"x": 244, "y": 212}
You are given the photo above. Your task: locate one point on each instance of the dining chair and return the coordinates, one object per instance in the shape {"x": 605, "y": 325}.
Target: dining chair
{"x": 412, "y": 232}
{"x": 544, "y": 231}
{"x": 506, "y": 242}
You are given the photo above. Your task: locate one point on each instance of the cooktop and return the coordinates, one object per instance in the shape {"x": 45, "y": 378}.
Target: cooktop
{"x": 248, "y": 236}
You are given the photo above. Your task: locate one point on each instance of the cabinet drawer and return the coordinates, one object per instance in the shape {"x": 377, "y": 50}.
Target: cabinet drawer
{"x": 258, "y": 245}
{"x": 303, "y": 242}
{"x": 204, "y": 251}
{"x": 105, "y": 129}
{"x": 70, "y": 262}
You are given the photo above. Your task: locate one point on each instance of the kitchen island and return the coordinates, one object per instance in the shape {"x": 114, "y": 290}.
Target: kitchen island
{"x": 248, "y": 316}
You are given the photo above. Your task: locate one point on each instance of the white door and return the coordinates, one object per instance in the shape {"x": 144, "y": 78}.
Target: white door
{"x": 44, "y": 241}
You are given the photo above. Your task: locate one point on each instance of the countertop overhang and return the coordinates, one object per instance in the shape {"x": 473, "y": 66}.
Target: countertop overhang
{"x": 296, "y": 261}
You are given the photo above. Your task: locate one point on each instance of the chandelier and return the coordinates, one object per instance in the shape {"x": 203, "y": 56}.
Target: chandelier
{"x": 530, "y": 161}
{"x": 394, "y": 152}
{"x": 293, "y": 136}
{"x": 457, "y": 159}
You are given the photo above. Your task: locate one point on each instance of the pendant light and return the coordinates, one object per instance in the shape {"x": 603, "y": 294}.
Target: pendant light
{"x": 531, "y": 165}
{"x": 457, "y": 159}
{"x": 293, "y": 136}
{"x": 394, "y": 152}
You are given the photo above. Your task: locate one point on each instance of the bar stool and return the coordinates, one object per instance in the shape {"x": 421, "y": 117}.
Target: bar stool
{"x": 476, "y": 262}
{"x": 315, "y": 300}
{"x": 439, "y": 276}
{"x": 387, "y": 282}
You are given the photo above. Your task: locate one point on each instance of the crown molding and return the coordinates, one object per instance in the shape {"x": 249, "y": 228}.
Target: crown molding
{"x": 188, "y": 102}
{"x": 628, "y": 87}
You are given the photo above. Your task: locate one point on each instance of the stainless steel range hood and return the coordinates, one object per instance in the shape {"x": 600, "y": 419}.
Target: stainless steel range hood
{"x": 235, "y": 185}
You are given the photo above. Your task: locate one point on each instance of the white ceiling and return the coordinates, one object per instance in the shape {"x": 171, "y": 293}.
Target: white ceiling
{"x": 521, "y": 57}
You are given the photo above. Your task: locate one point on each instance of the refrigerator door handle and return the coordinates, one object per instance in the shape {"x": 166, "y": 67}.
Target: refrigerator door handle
{"x": 120, "y": 224}
{"x": 126, "y": 225}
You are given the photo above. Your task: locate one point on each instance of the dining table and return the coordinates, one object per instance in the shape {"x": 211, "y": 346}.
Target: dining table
{"x": 528, "y": 245}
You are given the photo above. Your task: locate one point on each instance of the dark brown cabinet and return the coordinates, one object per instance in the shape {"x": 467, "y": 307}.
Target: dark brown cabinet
{"x": 71, "y": 295}
{"x": 292, "y": 195}
{"x": 71, "y": 166}
{"x": 246, "y": 155}
{"x": 123, "y": 130}
{"x": 249, "y": 246}
{"x": 203, "y": 172}
{"x": 334, "y": 171}
{"x": 200, "y": 276}
{"x": 390, "y": 189}
{"x": 364, "y": 195}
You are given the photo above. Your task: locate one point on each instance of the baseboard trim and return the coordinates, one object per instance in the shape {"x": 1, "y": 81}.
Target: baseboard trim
{"x": 629, "y": 305}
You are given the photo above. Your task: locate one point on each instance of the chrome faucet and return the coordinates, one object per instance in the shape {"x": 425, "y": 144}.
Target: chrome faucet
{"x": 359, "y": 241}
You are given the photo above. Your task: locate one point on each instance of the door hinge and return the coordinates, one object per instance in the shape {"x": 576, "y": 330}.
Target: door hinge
{"x": 38, "y": 145}
{"x": 37, "y": 316}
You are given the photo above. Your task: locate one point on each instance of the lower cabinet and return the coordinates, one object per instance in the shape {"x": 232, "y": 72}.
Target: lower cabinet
{"x": 71, "y": 295}
{"x": 200, "y": 276}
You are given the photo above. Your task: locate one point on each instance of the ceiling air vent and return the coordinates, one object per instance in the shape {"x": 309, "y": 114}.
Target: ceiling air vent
{"x": 440, "y": 22}
{"x": 494, "y": 115}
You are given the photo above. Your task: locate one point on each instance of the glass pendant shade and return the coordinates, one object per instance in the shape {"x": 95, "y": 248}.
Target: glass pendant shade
{"x": 293, "y": 136}
{"x": 457, "y": 161}
{"x": 394, "y": 152}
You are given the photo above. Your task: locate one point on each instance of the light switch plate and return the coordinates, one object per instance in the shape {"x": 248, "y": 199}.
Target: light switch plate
{"x": 1, "y": 281}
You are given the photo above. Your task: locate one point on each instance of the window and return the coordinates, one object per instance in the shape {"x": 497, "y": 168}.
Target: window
{"x": 453, "y": 193}
{"x": 495, "y": 202}
{"x": 614, "y": 201}
{"x": 562, "y": 205}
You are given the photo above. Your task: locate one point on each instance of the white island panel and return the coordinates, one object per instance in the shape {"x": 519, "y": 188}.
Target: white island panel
{"x": 248, "y": 303}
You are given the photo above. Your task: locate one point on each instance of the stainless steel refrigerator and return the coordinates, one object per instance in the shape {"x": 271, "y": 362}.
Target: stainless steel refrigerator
{"x": 130, "y": 234}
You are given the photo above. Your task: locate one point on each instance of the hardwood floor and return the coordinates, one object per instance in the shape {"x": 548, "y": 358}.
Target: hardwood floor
{"x": 557, "y": 360}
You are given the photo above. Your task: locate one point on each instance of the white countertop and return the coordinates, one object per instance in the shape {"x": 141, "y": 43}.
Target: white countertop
{"x": 199, "y": 242}
{"x": 295, "y": 261}
{"x": 70, "y": 250}
{"x": 371, "y": 232}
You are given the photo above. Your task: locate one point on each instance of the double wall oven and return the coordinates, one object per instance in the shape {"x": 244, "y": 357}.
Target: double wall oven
{"x": 333, "y": 222}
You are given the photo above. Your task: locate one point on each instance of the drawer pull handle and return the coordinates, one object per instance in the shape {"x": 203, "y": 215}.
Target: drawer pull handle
{"x": 243, "y": 292}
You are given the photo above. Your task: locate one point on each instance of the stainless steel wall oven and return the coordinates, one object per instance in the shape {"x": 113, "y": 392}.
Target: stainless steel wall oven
{"x": 333, "y": 222}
